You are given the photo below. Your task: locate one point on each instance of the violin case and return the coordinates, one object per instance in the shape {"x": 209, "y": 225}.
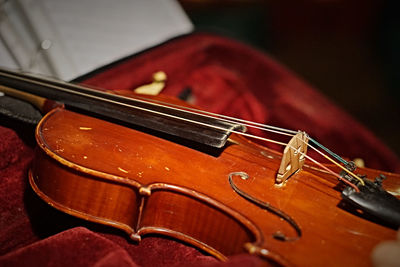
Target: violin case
{"x": 217, "y": 74}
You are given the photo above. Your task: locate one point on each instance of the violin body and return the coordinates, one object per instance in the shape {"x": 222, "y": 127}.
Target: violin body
{"x": 143, "y": 183}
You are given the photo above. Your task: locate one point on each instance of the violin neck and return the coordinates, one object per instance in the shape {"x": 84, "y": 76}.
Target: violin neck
{"x": 160, "y": 118}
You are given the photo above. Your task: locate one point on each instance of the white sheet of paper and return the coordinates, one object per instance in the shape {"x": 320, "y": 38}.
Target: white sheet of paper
{"x": 67, "y": 39}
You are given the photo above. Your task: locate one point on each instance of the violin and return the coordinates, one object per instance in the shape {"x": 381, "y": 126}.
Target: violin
{"x": 155, "y": 164}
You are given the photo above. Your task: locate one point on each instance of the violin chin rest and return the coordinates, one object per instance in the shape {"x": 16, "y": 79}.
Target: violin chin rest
{"x": 374, "y": 200}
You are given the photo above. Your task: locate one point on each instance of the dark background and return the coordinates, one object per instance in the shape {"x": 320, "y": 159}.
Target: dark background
{"x": 347, "y": 49}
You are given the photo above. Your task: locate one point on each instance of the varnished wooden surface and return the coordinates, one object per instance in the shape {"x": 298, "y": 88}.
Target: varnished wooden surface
{"x": 141, "y": 183}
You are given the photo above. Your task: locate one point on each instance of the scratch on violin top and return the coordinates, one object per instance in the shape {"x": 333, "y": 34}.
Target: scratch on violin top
{"x": 122, "y": 170}
{"x": 85, "y": 128}
{"x": 166, "y": 168}
{"x": 359, "y": 233}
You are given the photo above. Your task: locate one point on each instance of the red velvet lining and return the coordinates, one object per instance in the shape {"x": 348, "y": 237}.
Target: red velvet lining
{"x": 225, "y": 77}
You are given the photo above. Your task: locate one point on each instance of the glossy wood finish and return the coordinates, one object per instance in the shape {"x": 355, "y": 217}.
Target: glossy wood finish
{"x": 144, "y": 184}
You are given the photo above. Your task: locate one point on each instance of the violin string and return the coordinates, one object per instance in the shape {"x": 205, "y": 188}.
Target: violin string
{"x": 221, "y": 116}
{"x": 246, "y": 123}
{"x": 269, "y": 128}
{"x": 340, "y": 166}
{"x": 256, "y": 125}
{"x": 330, "y": 171}
{"x": 159, "y": 103}
{"x": 336, "y": 156}
{"x": 263, "y": 127}
{"x": 150, "y": 111}
{"x": 278, "y": 130}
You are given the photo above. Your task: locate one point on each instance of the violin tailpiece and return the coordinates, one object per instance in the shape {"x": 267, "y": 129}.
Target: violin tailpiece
{"x": 293, "y": 157}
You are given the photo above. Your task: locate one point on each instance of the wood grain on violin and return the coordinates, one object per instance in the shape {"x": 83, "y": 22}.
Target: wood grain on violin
{"x": 223, "y": 200}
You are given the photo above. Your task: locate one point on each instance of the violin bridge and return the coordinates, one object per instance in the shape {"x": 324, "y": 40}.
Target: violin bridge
{"x": 293, "y": 157}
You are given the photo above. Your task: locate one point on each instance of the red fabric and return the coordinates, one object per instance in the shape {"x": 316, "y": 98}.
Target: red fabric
{"x": 225, "y": 77}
